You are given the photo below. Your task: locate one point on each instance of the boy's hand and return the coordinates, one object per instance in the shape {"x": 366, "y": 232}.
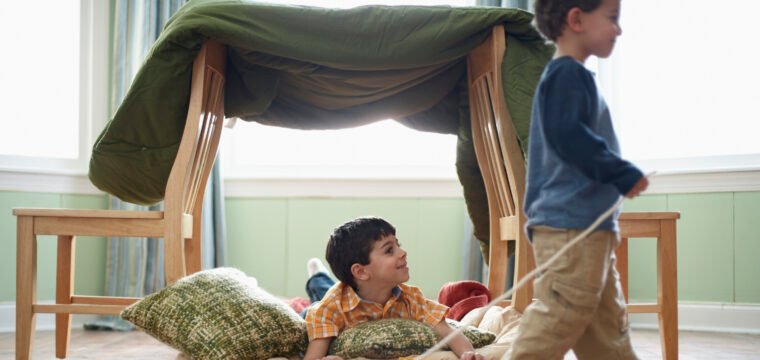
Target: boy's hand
{"x": 459, "y": 344}
{"x": 317, "y": 350}
{"x": 471, "y": 355}
{"x": 638, "y": 188}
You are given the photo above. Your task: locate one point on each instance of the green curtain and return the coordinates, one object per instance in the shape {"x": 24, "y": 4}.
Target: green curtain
{"x": 134, "y": 266}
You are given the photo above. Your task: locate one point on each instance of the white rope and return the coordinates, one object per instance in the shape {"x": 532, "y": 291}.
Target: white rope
{"x": 530, "y": 275}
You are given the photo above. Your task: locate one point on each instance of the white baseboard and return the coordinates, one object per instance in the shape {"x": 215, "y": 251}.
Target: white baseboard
{"x": 44, "y": 321}
{"x": 731, "y": 318}
{"x": 697, "y": 317}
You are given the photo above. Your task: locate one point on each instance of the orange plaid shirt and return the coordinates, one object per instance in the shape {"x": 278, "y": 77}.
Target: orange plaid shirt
{"x": 342, "y": 308}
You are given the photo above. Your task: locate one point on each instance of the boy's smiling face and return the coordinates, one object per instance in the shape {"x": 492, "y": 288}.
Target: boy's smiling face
{"x": 387, "y": 262}
{"x": 601, "y": 28}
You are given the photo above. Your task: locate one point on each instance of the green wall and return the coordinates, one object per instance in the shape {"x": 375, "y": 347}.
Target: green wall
{"x": 718, "y": 245}
{"x": 90, "y": 251}
{"x": 271, "y": 239}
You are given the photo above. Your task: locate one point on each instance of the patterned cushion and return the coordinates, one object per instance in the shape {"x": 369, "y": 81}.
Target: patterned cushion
{"x": 393, "y": 338}
{"x": 220, "y": 314}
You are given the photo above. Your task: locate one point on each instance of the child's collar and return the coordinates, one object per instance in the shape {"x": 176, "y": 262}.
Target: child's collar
{"x": 351, "y": 299}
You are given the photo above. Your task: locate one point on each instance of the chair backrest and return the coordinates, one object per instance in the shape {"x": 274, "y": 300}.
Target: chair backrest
{"x": 199, "y": 144}
{"x": 501, "y": 163}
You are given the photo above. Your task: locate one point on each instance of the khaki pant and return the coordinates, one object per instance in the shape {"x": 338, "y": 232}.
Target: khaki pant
{"x": 579, "y": 305}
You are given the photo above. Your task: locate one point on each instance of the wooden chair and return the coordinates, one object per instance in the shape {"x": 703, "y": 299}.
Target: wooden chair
{"x": 662, "y": 227}
{"x": 501, "y": 164}
{"x": 503, "y": 168}
{"x": 179, "y": 224}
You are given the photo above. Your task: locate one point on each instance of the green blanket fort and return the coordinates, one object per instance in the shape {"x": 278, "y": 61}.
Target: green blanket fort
{"x": 314, "y": 68}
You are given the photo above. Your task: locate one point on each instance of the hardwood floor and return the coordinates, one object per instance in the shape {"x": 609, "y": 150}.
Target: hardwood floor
{"x": 138, "y": 345}
{"x": 93, "y": 345}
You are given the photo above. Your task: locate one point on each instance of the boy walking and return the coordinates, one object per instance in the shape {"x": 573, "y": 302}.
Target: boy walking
{"x": 574, "y": 174}
{"x": 365, "y": 255}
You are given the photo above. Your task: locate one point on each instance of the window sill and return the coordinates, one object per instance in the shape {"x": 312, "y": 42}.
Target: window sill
{"x": 705, "y": 182}
{"x": 344, "y": 188}
{"x": 47, "y": 182}
{"x": 668, "y": 183}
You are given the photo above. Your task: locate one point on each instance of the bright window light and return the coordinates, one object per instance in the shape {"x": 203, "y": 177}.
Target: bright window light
{"x": 344, "y": 4}
{"x": 40, "y": 76}
{"x": 382, "y": 150}
{"x": 682, "y": 84}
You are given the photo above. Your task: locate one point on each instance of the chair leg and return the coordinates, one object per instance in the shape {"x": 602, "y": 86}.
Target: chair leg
{"x": 621, "y": 253}
{"x": 26, "y": 285}
{"x": 192, "y": 256}
{"x": 667, "y": 289}
{"x": 524, "y": 263}
{"x": 497, "y": 264}
{"x": 193, "y": 261}
{"x": 64, "y": 290}
{"x": 174, "y": 255}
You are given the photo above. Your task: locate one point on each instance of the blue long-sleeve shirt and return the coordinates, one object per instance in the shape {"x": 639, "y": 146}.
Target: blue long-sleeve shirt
{"x": 574, "y": 168}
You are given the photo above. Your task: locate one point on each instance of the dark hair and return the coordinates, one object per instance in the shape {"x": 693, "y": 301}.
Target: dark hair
{"x": 552, "y": 14}
{"x": 352, "y": 242}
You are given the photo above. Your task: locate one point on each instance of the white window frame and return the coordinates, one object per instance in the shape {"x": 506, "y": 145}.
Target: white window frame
{"x": 40, "y": 174}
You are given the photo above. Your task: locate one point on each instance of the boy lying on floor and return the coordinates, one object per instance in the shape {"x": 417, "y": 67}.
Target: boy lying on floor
{"x": 365, "y": 255}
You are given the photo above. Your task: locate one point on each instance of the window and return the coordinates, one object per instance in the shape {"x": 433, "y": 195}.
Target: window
{"x": 49, "y": 59}
{"x": 681, "y": 85}
{"x": 53, "y": 83}
{"x": 383, "y": 150}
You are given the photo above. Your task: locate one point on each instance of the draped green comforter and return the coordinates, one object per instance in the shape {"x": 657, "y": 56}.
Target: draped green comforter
{"x": 314, "y": 68}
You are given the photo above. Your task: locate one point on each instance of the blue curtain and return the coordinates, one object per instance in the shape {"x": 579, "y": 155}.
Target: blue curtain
{"x": 134, "y": 266}
{"x": 520, "y": 4}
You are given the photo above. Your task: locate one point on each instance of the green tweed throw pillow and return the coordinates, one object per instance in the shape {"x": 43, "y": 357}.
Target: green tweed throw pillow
{"x": 220, "y": 314}
{"x": 393, "y": 338}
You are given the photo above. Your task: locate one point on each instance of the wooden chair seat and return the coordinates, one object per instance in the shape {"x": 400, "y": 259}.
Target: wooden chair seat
{"x": 80, "y": 213}
{"x": 101, "y": 222}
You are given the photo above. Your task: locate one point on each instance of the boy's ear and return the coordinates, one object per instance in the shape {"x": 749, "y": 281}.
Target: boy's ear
{"x": 574, "y": 20}
{"x": 359, "y": 272}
